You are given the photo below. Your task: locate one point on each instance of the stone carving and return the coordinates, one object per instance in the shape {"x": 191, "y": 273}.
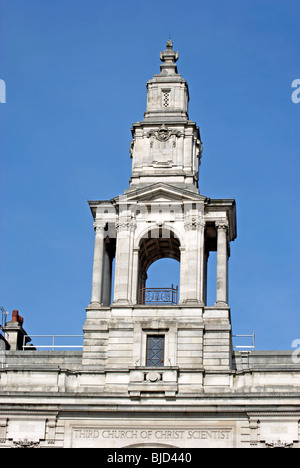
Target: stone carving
{"x": 126, "y": 224}
{"x": 193, "y": 222}
{"x": 153, "y": 376}
{"x": 279, "y": 444}
{"x": 131, "y": 148}
{"x": 99, "y": 227}
{"x": 25, "y": 443}
{"x": 163, "y": 133}
{"x": 222, "y": 225}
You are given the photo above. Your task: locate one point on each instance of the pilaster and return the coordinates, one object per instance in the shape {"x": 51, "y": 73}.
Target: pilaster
{"x": 124, "y": 259}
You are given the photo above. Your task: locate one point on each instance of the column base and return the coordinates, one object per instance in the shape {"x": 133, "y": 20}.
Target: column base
{"x": 95, "y": 305}
{"x": 221, "y": 304}
{"x": 122, "y": 302}
{"x": 192, "y": 302}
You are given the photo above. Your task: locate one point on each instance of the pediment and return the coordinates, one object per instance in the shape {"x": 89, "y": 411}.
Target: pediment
{"x": 161, "y": 192}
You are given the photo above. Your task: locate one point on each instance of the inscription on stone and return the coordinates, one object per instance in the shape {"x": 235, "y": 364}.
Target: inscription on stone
{"x": 153, "y": 434}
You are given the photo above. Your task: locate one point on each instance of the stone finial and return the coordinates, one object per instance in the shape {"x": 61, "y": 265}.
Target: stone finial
{"x": 169, "y": 44}
{"x": 169, "y": 57}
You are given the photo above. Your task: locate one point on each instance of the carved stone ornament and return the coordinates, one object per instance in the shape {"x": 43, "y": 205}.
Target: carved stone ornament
{"x": 193, "y": 222}
{"x": 279, "y": 444}
{"x": 25, "y": 443}
{"x": 164, "y": 133}
{"x": 99, "y": 226}
{"x": 153, "y": 376}
{"x": 126, "y": 224}
{"x": 131, "y": 148}
{"x": 222, "y": 225}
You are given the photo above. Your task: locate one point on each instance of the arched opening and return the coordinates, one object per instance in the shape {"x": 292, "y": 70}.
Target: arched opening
{"x": 159, "y": 268}
{"x": 109, "y": 251}
{"x": 211, "y": 278}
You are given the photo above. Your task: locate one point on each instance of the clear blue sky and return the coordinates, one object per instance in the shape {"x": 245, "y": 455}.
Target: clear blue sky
{"x": 75, "y": 74}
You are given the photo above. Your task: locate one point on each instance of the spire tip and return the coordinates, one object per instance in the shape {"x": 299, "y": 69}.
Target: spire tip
{"x": 169, "y": 43}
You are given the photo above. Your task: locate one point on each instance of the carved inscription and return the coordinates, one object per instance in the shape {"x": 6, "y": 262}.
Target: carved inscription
{"x": 208, "y": 433}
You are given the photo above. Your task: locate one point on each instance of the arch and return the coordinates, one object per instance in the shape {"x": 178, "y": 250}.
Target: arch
{"x": 150, "y": 445}
{"x": 157, "y": 243}
{"x": 167, "y": 229}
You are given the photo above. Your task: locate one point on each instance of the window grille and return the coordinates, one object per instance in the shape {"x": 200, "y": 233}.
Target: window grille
{"x": 155, "y": 350}
{"x": 166, "y": 98}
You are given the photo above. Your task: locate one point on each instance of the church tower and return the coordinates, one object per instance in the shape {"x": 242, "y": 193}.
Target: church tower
{"x": 160, "y": 341}
{"x": 157, "y": 369}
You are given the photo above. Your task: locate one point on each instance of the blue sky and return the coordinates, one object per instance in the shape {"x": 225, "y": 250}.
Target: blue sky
{"x": 75, "y": 74}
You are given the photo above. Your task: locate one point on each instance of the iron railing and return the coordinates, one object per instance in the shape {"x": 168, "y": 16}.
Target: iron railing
{"x": 53, "y": 342}
{"x": 4, "y": 316}
{"x": 158, "y": 295}
{"x": 3, "y": 320}
{"x": 245, "y": 347}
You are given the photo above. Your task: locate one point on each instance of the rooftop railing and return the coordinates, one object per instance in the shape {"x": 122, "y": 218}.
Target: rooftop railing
{"x": 52, "y": 342}
{"x": 249, "y": 347}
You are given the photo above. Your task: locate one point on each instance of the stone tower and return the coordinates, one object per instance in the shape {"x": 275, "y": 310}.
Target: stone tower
{"x": 157, "y": 368}
{"x": 161, "y": 340}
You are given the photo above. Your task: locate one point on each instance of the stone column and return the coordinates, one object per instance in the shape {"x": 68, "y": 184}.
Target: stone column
{"x": 222, "y": 263}
{"x": 205, "y": 262}
{"x": 135, "y": 288}
{"x": 124, "y": 259}
{"x": 193, "y": 259}
{"x": 107, "y": 277}
{"x": 98, "y": 263}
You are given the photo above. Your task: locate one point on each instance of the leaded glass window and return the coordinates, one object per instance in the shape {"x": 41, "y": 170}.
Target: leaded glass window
{"x": 155, "y": 350}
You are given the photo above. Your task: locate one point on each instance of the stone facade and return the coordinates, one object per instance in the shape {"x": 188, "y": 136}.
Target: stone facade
{"x": 157, "y": 368}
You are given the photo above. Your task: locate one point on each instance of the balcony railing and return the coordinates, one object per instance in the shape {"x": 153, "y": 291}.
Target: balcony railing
{"x": 167, "y": 296}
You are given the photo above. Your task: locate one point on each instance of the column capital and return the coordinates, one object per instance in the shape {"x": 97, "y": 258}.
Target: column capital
{"x": 193, "y": 222}
{"x": 221, "y": 224}
{"x": 99, "y": 226}
{"x": 126, "y": 224}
